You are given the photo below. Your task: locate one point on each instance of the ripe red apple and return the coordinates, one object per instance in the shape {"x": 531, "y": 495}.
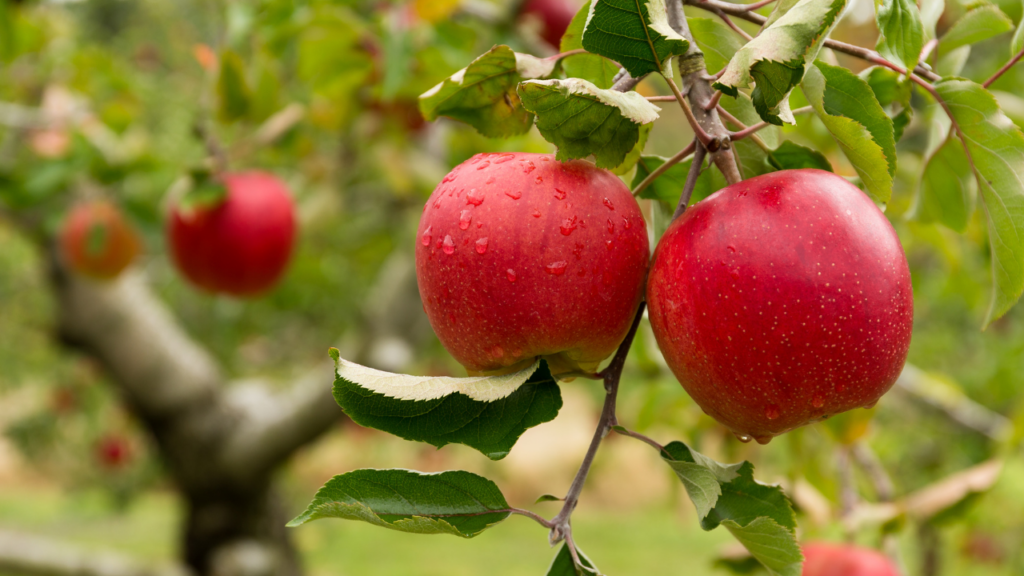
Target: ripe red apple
{"x": 782, "y": 300}
{"x": 113, "y": 451}
{"x": 823, "y": 559}
{"x": 97, "y": 241}
{"x": 241, "y": 243}
{"x": 554, "y": 15}
{"x": 519, "y": 256}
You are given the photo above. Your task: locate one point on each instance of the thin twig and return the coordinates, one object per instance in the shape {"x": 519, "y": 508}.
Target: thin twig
{"x": 679, "y": 157}
{"x": 646, "y": 439}
{"x": 661, "y": 98}
{"x": 691, "y": 180}
{"x": 756, "y": 5}
{"x": 703, "y": 136}
{"x": 714, "y": 100}
{"x": 566, "y": 54}
{"x": 623, "y": 82}
{"x": 539, "y": 519}
{"x": 560, "y": 529}
{"x": 1016, "y": 58}
{"x": 734, "y": 120}
{"x": 728, "y": 22}
{"x": 761, "y": 125}
{"x": 868, "y": 461}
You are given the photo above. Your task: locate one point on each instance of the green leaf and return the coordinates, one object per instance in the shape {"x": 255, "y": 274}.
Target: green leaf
{"x": 233, "y": 94}
{"x": 595, "y": 69}
{"x": 931, "y": 11}
{"x": 848, "y": 108}
{"x": 669, "y": 186}
{"x": 902, "y": 33}
{"x": 791, "y": 156}
{"x": 548, "y": 498}
{"x": 488, "y": 413}
{"x": 776, "y": 59}
{"x": 563, "y": 565}
{"x": 888, "y": 86}
{"x": 483, "y": 94}
{"x": 582, "y": 119}
{"x": 996, "y": 148}
{"x": 633, "y": 33}
{"x": 634, "y": 155}
{"x": 1017, "y": 43}
{"x": 716, "y": 40}
{"x": 979, "y": 24}
{"x": 455, "y": 502}
{"x": 952, "y": 63}
{"x": 946, "y": 191}
{"x": 761, "y": 517}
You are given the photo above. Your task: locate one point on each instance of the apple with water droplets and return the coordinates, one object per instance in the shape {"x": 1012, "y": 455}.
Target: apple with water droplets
{"x": 782, "y": 300}
{"x": 520, "y": 256}
{"x": 240, "y": 241}
{"x": 824, "y": 559}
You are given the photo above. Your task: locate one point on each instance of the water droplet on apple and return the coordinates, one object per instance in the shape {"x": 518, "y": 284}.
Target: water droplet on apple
{"x": 514, "y": 194}
{"x": 556, "y": 268}
{"x": 528, "y": 167}
{"x": 449, "y": 245}
{"x": 568, "y": 225}
{"x": 475, "y": 197}
{"x": 510, "y": 274}
{"x": 497, "y": 352}
{"x": 536, "y": 213}
{"x": 560, "y": 194}
{"x": 818, "y": 400}
{"x": 611, "y": 226}
{"x": 731, "y": 248}
{"x": 483, "y": 165}
{"x": 608, "y": 244}
{"x": 490, "y": 180}
{"x": 742, "y": 437}
{"x": 481, "y": 245}
{"x": 771, "y": 412}
{"x": 762, "y": 440}
{"x": 502, "y": 158}
{"x": 609, "y": 204}
{"x": 870, "y": 405}
{"x": 425, "y": 239}
{"x": 465, "y": 217}
{"x": 626, "y": 223}
{"x": 539, "y": 180}
{"x": 450, "y": 177}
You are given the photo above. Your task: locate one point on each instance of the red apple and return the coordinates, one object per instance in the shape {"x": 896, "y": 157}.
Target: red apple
{"x": 823, "y": 559}
{"x": 97, "y": 241}
{"x": 782, "y": 300}
{"x": 519, "y": 256}
{"x": 554, "y": 15}
{"x": 241, "y": 243}
{"x": 113, "y": 451}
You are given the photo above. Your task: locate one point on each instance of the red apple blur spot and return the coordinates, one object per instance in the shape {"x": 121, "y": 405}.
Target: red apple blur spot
{"x": 782, "y": 300}
{"x": 555, "y": 16}
{"x": 240, "y": 246}
{"x": 97, "y": 241}
{"x": 519, "y": 256}
{"x": 113, "y": 452}
{"x": 822, "y": 559}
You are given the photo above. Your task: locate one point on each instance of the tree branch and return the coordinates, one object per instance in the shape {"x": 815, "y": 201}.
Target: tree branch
{"x": 691, "y": 180}
{"x": 37, "y": 556}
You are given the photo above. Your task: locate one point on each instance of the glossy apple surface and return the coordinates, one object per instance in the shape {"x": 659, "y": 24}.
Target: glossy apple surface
{"x": 782, "y": 300}
{"x": 519, "y": 256}
{"x": 822, "y": 559}
{"x": 554, "y": 15}
{"x": 241, "y": 245}
{"x": 97, "y": 241}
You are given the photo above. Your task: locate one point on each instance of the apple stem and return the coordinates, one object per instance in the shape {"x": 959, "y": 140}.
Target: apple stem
{"x": 560, "y": 525}
{"x": 691, "y": 181}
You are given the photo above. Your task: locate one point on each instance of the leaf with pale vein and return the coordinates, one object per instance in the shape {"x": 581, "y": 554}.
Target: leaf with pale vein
{"x": 777, "y": 58}
{"x": 996, "y": 148}
{"x": 902, "y": 33}
{"x": 406, "y": 387}
{"x": 848, "y": 108}
{"x": 582, "y": 119}
{"x": 635, "y": 34}
{"x": 483, "y": 94}
{"x": 454, "y": 502}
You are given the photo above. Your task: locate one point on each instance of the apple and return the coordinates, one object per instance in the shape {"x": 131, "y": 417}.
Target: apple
{"x": 520, "y": 256}
{"x": 554, "y": 16}
{"x": 824, "y": 559}
{"x": 782, "y": 300}
{"x": 241, "y": 242}
{"x": 113, "y": 451}
{"x": 96, "y": 241}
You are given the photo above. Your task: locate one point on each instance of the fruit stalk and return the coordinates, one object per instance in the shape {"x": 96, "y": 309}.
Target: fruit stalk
{"x": 560, "y": 526}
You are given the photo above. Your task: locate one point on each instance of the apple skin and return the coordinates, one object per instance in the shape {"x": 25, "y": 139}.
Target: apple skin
{"x": 519, "y": 256}
{"x": 240, "y": 246}
{"x": 555, "y": 16}
{"x": 824, "y": 559}
{"x": 96, "y": 240}
{"x": 782, "y": 300}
